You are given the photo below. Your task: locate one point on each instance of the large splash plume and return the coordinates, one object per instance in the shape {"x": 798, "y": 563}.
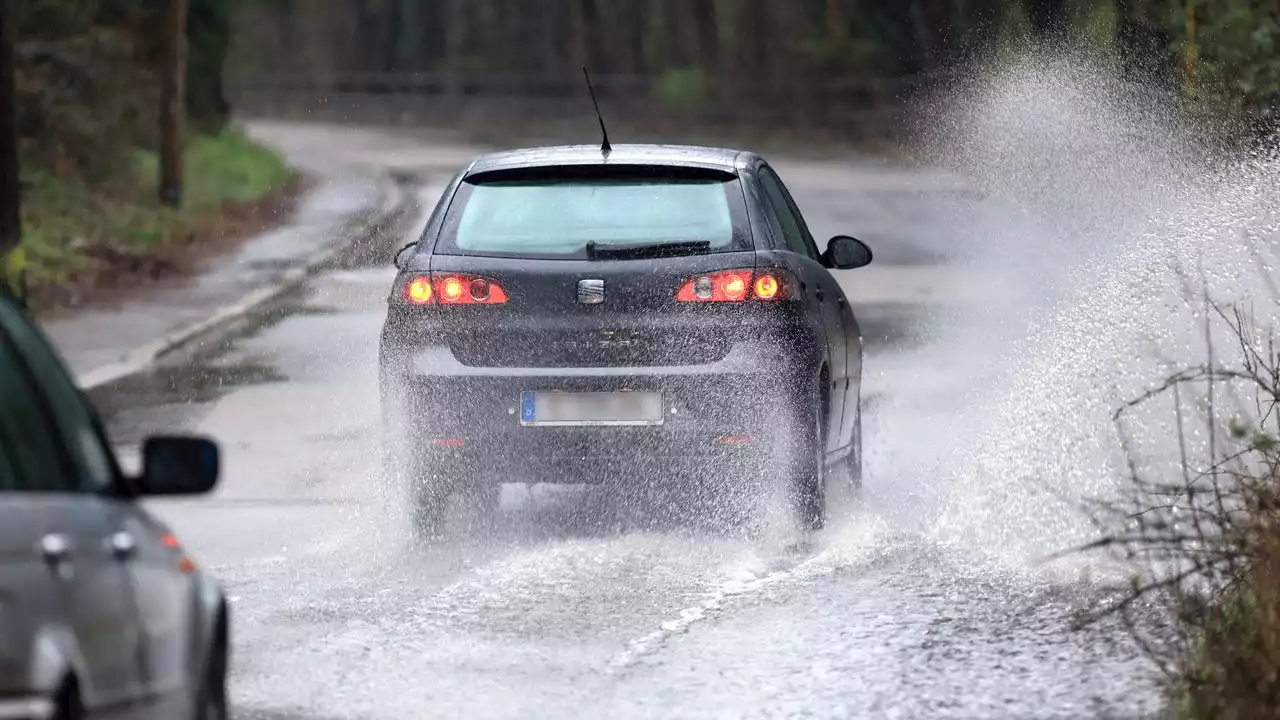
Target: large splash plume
{"x": 1106, "y": 222}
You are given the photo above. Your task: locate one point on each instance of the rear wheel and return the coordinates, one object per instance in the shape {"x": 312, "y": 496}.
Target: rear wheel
{"x": 69, "y": 705}
{"x": 211, "y": 703}
{"x": 429, "y": 502}
{"x": 806, "y": 464}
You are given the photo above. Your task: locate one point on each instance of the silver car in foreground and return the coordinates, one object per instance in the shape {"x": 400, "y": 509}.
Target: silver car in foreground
{"x": 102, "y": 612}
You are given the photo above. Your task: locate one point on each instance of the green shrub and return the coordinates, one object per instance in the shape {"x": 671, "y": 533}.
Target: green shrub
{"x": 682, "y": 90}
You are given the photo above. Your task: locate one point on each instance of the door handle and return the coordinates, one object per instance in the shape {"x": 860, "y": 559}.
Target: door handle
{"x": 122, "y": 545}
{"x": 55, "y": 548}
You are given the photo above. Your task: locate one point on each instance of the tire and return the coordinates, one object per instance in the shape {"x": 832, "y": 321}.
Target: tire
{"x": 410, "y": 476}
{"x": 211, "y": 699}
{"x": 429, "y": 505}
{"x": 807, "y": 465}
{"x": 434, "y": 479}
{"x": 69, "y": 705}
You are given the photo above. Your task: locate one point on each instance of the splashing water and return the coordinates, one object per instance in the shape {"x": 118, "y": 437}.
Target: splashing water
{"x": 1105, "y": 221}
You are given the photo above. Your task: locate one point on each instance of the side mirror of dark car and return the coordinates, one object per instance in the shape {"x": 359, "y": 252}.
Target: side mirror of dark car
{"x": 846, "y": 253}
{"x": 178, "y": 465}
{"x": 402, "y": 255}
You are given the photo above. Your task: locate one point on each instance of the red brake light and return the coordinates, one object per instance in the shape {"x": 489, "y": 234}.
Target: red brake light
{"x": 453, "y": 289}
{"x": 732, "y": 286}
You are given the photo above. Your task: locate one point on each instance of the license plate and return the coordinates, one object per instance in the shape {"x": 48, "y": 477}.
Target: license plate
{"x": 591, "y": 408}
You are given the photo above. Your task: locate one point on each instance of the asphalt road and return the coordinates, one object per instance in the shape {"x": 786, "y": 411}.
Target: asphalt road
{"x": 576, "y": 603}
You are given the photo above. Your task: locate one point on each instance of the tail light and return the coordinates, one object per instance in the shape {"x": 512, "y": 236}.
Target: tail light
{"x": 449, "y": 289}
{"x": 419, "y": 291}
{"x": 736, "y": 286}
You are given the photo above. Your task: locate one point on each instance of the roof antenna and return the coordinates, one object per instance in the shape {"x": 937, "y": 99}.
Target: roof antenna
{"x": 605, "y": 147}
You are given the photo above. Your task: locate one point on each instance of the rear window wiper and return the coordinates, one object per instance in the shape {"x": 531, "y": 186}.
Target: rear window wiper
{"x": 598, "y": 251}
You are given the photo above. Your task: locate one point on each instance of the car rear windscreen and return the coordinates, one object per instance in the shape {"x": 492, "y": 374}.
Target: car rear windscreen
{"x": 555, "y": 214}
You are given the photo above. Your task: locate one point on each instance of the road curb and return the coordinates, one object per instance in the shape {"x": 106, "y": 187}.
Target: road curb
{"x": 396, "y": 200}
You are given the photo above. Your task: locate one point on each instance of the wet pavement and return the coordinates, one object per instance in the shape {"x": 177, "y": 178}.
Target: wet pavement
{"x": 578, "y": 603}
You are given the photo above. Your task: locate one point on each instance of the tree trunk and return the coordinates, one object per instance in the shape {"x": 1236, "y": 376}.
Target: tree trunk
{"x": 10, "y": 190}
{"x": 172, "y": 106}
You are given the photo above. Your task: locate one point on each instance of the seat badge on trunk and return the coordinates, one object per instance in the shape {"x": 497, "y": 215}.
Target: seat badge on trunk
{"x": 591, "y": 292}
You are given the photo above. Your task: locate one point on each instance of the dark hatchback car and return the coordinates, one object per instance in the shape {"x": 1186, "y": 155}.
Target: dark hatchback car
{"x": 571, "y": 315}
{"x": 102, "y": 612}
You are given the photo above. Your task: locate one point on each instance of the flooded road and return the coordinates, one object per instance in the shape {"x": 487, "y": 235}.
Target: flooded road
{"x": 578, "y": 603}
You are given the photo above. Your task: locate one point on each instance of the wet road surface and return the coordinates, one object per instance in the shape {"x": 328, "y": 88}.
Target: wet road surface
{"x": 578, "y": 603}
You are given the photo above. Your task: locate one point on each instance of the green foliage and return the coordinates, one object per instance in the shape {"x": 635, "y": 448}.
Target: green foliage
{"x": 56, "y": 18}
{"x": 64, "y": 218}
{"x": 1014, "y": 32}
{"x": 227, "y": 167}
{"x": 746, "y": 43}
{"x": 1095, "y": 24}
{"x": 1239, "y": 43}
{"x": 83, "y": 102}
{"x": 682, "y": 90}
{"x": 87, "y": 100}
{"x": 1233, "y": 670}
{"x": 87, "y": 91}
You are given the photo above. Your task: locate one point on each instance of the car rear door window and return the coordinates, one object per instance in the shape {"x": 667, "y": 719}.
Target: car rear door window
{"x": 555, "y": 212}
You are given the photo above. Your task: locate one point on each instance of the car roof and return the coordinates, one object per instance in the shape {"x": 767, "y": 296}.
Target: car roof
{"x": 693, "y": 156}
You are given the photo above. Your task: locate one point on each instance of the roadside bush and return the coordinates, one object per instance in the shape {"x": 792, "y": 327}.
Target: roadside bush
{"x": 87, "y": 95}
{"x": 1208, "y": 541}
{"x": 78, "y": 235}
{"x": 682, "y": 90}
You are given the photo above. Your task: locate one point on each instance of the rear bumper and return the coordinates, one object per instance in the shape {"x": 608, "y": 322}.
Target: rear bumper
{"x": 588, "y": 458}
{"x": 464, "y": 417}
